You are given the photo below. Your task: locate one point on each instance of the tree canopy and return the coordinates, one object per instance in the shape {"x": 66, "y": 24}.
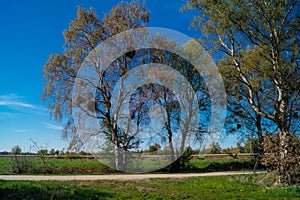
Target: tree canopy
{"x": 258, "y": 42}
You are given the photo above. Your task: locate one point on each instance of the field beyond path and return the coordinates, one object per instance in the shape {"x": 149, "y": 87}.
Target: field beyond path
{"x": 120, "y": 176}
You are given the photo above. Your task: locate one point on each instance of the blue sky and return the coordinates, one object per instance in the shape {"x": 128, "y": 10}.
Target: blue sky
{"x": 30, "y": 31}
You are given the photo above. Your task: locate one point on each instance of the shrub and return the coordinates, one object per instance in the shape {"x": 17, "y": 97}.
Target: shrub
{"x": 20, "y": 165}
{"x": 287, "y": 167}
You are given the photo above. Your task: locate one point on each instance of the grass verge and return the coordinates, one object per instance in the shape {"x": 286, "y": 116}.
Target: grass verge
{"x": 93, "y": 166}
{"x": 224, "y": 187}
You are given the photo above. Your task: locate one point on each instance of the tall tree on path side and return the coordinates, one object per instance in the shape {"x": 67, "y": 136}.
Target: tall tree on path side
{"x": 269, "y": 30}
{"x": 83, "y": 35}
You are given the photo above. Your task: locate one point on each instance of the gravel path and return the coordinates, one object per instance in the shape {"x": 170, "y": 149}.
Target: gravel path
{"x": 119, "y": 176}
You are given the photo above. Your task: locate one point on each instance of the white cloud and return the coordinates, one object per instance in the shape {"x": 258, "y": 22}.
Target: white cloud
{"x": 13, "y": 100}
{"x": 19, "y": 104}
{"x": 51, "y": 126}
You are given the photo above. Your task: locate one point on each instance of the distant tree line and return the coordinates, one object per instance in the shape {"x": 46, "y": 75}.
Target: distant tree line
{"x": 16, "y": 150}
{"x": 251, "y": 145}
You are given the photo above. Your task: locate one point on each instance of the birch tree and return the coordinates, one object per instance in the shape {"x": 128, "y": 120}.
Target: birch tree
{"x": 270, "y": 31}
{"x": 82, "y": 36}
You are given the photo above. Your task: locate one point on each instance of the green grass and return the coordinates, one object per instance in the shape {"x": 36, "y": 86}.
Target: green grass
{"x": 4, "y": 166}
{"x": 226, "y": 187}
{"x": 58, "y": 166}
{"x": 222, "y": 165}
{"x": 94, "y": 166}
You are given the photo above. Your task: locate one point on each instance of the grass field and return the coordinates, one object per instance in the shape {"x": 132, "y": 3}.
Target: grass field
{"x": 227, "y": 187}
{"x": 56, "y": 166}
{"x": 222, "y": 165}
{"x": 93, "y": 166}
{"x": 224, "y": 187}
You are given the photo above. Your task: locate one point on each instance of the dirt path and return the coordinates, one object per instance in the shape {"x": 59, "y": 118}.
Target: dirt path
{"x": 119, "y": 176}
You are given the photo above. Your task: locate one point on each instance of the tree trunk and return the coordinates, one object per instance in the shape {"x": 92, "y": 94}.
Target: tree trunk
{"x": 124, "y": 160}
{"x": 283, "y": 172}
{"x": 117, "y": 156}
{"x": 170, "y": 135}
{"x": 260, "y": 142}
{"x": 281, "y": 117}
{"x": 173, "y": 164}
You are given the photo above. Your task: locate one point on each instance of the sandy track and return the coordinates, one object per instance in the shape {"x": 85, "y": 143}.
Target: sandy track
{"x": 119, "y": 176}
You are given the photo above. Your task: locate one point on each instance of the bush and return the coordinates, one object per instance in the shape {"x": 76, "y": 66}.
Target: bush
{"x": 287, "y": 169}
{"x": 185, "y": 158}
{"x": 20, "y": 165}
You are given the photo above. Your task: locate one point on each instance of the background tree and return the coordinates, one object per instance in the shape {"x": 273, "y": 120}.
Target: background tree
{"x": 252, "y": 145}
{"x": 16, "y": 150}
{"x": 161, "y": 101}
{"x": 56, "y": 152}
{"x": 215, "y": 148}
{"x": 154, "y": 148}
{"x": 82, "y": 36}
{"x": 42, "y": 152}
{"x": 269, "y": 31}
{"x": 52, "y": 152}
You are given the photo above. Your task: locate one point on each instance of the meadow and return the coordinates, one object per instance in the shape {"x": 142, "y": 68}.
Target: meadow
{"x": 255, "y": 186}
{"x": 223, "y": 187}
{"x": 36, "y": 165}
